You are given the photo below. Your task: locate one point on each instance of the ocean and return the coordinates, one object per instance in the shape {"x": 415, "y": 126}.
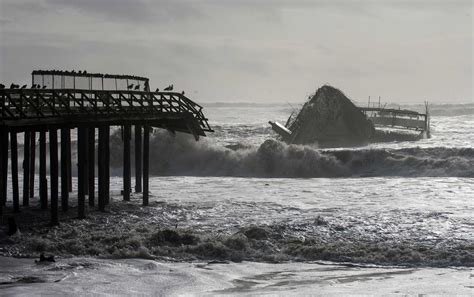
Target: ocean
{"x": 241, "y": 213}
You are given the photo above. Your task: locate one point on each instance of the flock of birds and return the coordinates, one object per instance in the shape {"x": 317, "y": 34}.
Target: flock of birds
{"x": 15, "y": 86}
{"x": 129, "y": 87}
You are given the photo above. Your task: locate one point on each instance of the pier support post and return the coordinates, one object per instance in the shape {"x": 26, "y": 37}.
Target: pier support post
{"x": 126, "y": 163}
{"x": 107, "y": 164}
{"x": 68, "y": 159}
{"x": 53, "y": 168}
{"x": 81, "y": 171}
{"x": 91, "y": 165}
{"x": 32, "y": 163}
{"x": 2, "y": 172}
{"x": 101, "y": 158}
{"x": 26, "y": 168}
{"x": 3, "y": 166}
{"x": 65, "y": 144}
{"x": 14, "y": 159}
{"x": 86, "y": 161}
{"x": 43, "y": 182}
{"x": 138, "y": 158}
{"x": 146, "y": 156}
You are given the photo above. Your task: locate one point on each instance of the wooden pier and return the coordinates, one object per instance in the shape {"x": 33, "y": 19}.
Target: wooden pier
{"x": 49, "y": 107}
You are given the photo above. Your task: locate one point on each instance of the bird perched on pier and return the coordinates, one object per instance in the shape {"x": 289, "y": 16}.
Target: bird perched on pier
{"x": 157, "y": 90}
{"x": 2, "y": 86}
{"x": 182, "y": 92}
{"x": 84, "y": 72}
{"x": 33, "y": 86}
{"x": 169, "y": 88}
{"x": 137, "y": 87}
{"x": 130, "y": 86}
{"x": 13, "y": 86}
{"x": 24, "y": 86}
{"x": 44, "y": 87}
{"x": 79, "y": 72}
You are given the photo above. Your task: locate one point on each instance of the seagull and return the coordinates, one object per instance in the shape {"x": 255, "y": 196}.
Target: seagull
{"x": 130, "y": 87}
{"x": 2, "y": 86}
{"x": 84, "y": 72}
{"x": 137, "y": 87}
{"x": 182, "y": 93}
{"x": 33, "y": 86}
{"x": 23, "y": 86}
{"x": 157, "y": 90}
{"x": 44, "y": 87}
{"x": 79, "y": 72}
{"x": 169, "y": 88}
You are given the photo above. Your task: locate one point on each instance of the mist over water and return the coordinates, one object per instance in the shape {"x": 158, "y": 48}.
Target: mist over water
{"x": 244, "y": 145}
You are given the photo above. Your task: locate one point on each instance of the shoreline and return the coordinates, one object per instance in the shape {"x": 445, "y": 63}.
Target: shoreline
{"x": 83, "y": 275}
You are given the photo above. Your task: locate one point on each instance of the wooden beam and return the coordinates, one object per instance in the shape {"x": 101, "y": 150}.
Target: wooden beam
{"x": 146, "y": 155}
{"x": 3, "y": 165}
{"x": 101, "y": 158}
{"x": 107, "y": 164}
{"x": 4, "y": 155}
{"x": 65, "y": 145}
{"x": 91, "y": 165}
{"x": 14, "y": 167}
{"x": 126, "y": 162}
{"x": 53, "y": 167}
{"x": 43, "y": 182}
{"x": 32, "y": 163}
{"x": 138, "y": 158}
{"x": 81, "y": 171}
{"x": 69, "y": 159}
{"x": 26, "y": 168}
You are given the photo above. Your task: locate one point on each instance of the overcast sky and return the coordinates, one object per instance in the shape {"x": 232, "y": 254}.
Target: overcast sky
{"x": 232, "y": 50}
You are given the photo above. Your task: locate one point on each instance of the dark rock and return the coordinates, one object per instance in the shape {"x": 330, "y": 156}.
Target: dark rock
{"x": 255, "y": 232}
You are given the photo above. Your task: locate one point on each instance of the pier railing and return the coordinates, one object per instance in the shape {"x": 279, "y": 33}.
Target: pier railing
{"x": 26, "y": 107}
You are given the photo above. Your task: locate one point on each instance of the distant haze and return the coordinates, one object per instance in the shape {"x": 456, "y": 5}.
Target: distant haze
{"x": 252, "y": 51}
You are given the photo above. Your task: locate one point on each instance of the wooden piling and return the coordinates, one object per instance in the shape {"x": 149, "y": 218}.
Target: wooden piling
{"x": 65, "y": 144}
{"x": 146, "y": 155}
{"x": 53, "y": 169}
{"x": 43, "y": 182}
{"x": 32, "y": 163}
{"x": 138, "y": 158}
{"x": 81, "y": 171}
{"x": 126, "y": 163}
{"x": 107, "y": 164}
{"x": 14, "y": 166}
{"x": 3, "y": 166}
{"x": 86, "y": 161}
{"x": 69, "y": 159}
{"x": 4, "y": 155}
{"x": 101, "y": 158}
{"x": 26, "y": 168}
{"x": 91, "y": 165}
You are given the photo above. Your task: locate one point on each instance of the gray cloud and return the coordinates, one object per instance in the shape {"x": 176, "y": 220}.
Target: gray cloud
{"x": 272, "y": 50}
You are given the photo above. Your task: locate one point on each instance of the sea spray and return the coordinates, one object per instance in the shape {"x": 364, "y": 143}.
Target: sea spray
{"x": 182, "y": 155}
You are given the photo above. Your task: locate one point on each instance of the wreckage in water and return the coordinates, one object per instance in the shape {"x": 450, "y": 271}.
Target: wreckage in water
{"x": 330, "y": 119}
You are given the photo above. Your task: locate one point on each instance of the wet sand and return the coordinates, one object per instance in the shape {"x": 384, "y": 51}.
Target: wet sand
{"x": 79, "y": 276}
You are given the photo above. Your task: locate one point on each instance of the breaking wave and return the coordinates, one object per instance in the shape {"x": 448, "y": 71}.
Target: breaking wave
{"x": 181, "y": 155}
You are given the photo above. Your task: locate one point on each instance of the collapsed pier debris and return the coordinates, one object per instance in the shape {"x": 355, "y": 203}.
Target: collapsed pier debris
{"x": 330, "y": 119}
